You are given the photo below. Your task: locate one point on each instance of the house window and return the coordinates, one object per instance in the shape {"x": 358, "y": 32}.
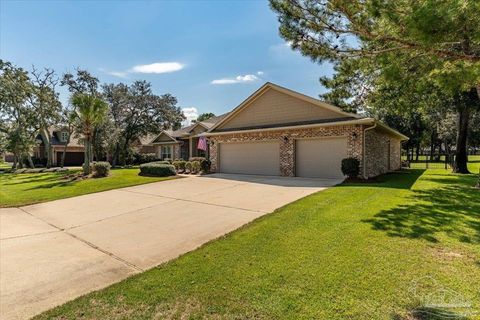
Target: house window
{"x": 63, "y": 136}
{"x": 166, "y": 152}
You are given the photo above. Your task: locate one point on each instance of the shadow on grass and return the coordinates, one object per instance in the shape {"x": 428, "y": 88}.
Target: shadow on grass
{"x": 31, "y": 178}
{"x": 453, "y": 209}
{"x": 60, "y": 183}
{"x": 427, "y": 313}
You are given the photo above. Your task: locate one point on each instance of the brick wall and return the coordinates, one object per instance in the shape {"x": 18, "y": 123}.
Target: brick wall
{"x": 287, "y": 138}
{"x": 382, "y": 153}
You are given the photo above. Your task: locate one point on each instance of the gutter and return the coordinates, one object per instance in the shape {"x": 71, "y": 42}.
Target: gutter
{"x": 306, "y": 126}
{"x": 363, "y": 149}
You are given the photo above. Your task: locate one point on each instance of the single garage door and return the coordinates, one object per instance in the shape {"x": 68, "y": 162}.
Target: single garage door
{"x": 320, "y": 158}
{"x": 250, "y": 158}
{"x": 71, "y": 158}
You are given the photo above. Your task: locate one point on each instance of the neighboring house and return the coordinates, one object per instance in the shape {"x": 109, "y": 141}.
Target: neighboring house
{"x": 280, "y": 132}
{"x": 59, "y": 136}
{"x": 182, "y": 143}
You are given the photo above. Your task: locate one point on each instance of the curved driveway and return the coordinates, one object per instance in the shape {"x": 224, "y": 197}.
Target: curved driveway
{"x": 56, "y": 251}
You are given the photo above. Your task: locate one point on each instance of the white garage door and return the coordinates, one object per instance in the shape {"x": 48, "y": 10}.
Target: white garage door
{"x": 250, "y": 158}
{"x": 320, "y": 158}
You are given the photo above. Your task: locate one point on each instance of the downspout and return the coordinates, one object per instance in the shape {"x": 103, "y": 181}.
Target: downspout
{"x": 364, "y": 150}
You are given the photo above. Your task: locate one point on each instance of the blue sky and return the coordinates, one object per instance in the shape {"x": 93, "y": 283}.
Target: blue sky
{"x": 216, "y": 52}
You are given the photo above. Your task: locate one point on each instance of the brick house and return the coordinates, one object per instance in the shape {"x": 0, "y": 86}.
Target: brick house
{"x": 277, "y": 131}
{"x": 58, "y": 138}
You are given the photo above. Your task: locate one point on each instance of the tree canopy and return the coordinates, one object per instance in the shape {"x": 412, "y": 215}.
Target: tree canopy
{"x": 382, "y": 49}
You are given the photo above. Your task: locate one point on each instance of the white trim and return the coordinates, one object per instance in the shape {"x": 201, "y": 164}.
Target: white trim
{"x": 161, "y": 132}
{"x": 195, "y": 125}
{"x": 306, "y": 126}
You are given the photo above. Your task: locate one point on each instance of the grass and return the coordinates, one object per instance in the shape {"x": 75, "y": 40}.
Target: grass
{"x": 356, "y": 251}
{"x": 29, "y": 188}
{"x": 5, "y": 165}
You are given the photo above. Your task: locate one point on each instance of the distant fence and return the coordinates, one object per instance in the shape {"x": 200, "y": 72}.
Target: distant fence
{"x": 426, "y": 162}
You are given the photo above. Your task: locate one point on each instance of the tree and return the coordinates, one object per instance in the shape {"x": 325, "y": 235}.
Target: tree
{"x": 46, "y": 105}
{"x": 381, "y": 33}
{"x": 91, "y": 112}
{"x": 68, "y": 121}
{"x": 18, "y": 121}
{"x": 204, "y": 116}
{"x": 137, "y": 111}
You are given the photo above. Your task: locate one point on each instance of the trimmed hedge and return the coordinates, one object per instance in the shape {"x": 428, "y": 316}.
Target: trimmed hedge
{"x": 205, "y": 164}
{"x": 188, "y": 166}
{"x": 157, "y": 169}
{"x": 179, "y": 165}
{"x": 101, "y": 169}
{"x": 195, "y": 166}
{"x": 351, "y": 167}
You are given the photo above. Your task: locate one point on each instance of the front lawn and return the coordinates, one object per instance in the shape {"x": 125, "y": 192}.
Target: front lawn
{"x": 29, "y": 188}
{"x": 356, "y": 251}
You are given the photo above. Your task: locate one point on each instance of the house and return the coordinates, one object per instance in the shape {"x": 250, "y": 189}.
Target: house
{"x": 58, "y": 138}
{"x": 280, "y": 132}
{"x": 182, "y": 143}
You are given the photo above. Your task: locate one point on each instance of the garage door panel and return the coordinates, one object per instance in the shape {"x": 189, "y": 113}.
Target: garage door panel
{"x": 250, "y": 158}
{"x": 320, "y": 158}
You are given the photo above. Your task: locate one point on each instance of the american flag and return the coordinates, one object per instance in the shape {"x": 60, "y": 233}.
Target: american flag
{"x": 202, "y": 144}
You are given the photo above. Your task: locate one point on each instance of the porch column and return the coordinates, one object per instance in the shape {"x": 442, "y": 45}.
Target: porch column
{"x": 190, "y": 148}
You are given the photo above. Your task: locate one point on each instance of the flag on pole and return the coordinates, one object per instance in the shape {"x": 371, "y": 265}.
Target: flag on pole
{"x": 202, "y": 143}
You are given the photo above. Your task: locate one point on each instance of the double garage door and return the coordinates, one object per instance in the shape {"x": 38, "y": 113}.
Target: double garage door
{"x": 314, "y": 158}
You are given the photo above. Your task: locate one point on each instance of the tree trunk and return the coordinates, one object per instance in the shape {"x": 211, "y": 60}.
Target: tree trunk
{"x": 115, "y": 155}
{"x": 62, "y": 163}
{"x": 417, "y": 152}
{"x": 15, "y": 161}
{"x": 86, "y": 161}
{"x": 460, "y": 165}
{"x": 30, "y": 161}
{"x": 48, "y": 147}
{"x": 432, "y": 145}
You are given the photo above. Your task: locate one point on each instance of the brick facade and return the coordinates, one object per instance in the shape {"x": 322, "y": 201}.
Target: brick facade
{"x": 287, "y": 138}
{"x": 377, "y": 145}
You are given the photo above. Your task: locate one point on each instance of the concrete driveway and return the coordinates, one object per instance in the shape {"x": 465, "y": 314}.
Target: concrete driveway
{"x": 56, "y": 251}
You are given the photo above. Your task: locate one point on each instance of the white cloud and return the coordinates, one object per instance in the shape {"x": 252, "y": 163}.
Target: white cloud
{"x": 158, "y": 67}
{"x": 118, "y": 74}
{"x": 260, "y": 73}
{"x": 190, "y": 114}
{"x": 238, "y": 79}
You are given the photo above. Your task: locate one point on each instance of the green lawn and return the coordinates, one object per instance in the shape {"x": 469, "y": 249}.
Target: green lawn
{"x": 354, "y": 251}
{"x": 28, "y": 188}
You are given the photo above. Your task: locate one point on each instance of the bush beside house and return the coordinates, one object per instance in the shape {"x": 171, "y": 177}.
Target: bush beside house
{"x": 157, "y": 169}
{"x": 351, "y": 167}
{"x": 101, "y": 169}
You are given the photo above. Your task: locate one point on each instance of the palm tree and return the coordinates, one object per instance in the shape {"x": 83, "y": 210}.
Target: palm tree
{"x": 91, "y": 112}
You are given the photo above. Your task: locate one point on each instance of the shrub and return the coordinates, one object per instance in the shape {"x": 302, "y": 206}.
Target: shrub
{"x": 141, "y": 158}
{"x": 160, "y": 162}
{"x": 188, "y": 166}
{"x": 351, "y": 167}
{"x": 195, "y": 166}
{"x": 205, "y": 164}
{"x": 179, "y": 165}
{"x": 157, "y": 169}
{"x": 101, "y": 169}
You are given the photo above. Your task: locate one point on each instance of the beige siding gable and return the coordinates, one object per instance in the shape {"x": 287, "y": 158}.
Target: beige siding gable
{"x": 198, "y": 129}
{"x": 274, "y": 107}
{"x": 163, "y": 137}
